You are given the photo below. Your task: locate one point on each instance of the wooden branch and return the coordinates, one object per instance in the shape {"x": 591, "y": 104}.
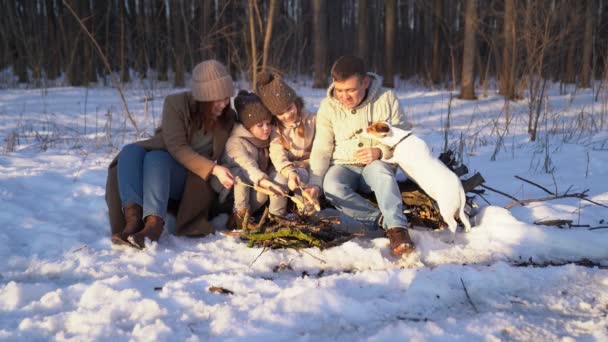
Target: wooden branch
{"x": 468, "y": 297}
{"x": 107, "y": 64}
{"x": 600, "y": 227}
{"x": 499, "y": 192}
{"x": 536, "y": 185}
{"x": 544, "y": 199}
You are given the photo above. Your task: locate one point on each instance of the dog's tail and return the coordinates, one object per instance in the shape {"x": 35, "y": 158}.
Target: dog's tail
{"x": 463, "y": 217}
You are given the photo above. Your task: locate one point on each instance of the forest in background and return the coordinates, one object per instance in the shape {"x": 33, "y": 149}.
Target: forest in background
{"x": 449, "y": 43}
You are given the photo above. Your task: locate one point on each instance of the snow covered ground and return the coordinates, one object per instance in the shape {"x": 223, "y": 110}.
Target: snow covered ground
{"x": 61, "y": 279}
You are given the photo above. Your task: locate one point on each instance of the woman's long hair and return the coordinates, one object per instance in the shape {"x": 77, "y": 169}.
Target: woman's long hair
{"x": 301, "y": 130}
{"x": 203, "y": 118}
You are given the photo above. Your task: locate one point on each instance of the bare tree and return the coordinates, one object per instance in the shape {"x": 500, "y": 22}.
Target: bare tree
{"x": 467, "y": 87}
{"x": 268, "y": 34}
{"x": 389, "y": 44}
{"x": 320, "y": 43}
{"x": 587, "y": 45}
{"x": 509, "y": 56}
{"x": 362, "y": 30}
{"x": 436, "y": 64}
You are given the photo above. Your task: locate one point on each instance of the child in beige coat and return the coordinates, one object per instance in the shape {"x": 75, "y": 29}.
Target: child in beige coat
{"x": 247, "y": 157}
{"x": 293, "y": 133}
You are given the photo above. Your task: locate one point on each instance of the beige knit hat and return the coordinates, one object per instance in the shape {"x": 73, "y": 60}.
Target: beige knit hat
{"x": 250, "y": 109}
{"x": 274, "y": 93}
{"x": 211, "y": 81}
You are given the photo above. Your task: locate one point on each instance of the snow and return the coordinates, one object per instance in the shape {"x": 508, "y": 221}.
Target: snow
{"x": 62, "y": 279}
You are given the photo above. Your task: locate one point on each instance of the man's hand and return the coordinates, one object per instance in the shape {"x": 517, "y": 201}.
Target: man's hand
{"x": 293, "y": 181}
{"x": 368, "y": 154}
{"x": 223, "y": 175}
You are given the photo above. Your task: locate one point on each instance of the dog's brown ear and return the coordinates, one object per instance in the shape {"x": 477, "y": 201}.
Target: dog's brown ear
{"x": 382, "y": 127}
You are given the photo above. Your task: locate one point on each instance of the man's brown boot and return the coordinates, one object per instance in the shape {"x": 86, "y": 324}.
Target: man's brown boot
{"x": 235, "y": 221}
{"x": 133, "y": 224}
{"x": 152, "y": 230}
{"x": 400, "y": 241}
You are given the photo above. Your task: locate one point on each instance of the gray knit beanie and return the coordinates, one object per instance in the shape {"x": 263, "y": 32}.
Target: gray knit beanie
{"x": 274, "y": 93}
{"x": 211, "y": 82}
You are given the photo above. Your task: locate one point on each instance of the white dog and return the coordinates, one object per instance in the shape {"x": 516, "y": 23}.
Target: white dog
{"x": 414, "y": 156}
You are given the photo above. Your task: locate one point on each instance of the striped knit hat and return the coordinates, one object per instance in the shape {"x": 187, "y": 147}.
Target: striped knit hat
{"x": 211, "y": 82}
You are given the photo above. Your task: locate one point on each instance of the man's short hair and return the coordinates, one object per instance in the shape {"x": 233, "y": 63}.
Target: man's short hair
{"x": 346, "y": 67}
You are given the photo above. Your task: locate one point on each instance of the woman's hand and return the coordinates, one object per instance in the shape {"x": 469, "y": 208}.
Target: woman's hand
{"x": 293, "y": 181}
{"x": 223, "y": 175}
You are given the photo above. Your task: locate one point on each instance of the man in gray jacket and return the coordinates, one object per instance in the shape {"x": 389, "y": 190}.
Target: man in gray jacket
{"x": 342, "y": 162}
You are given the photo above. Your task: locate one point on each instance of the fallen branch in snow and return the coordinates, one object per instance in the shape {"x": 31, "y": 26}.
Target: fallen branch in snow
{"x": 536, "y": 185}
{"x": 499, "y": 192}
{"x": 580, "y": 195}
{"x": 582, "y": 262}
{"x": 554, "y": 194}
{"x": 220, "y": 290}
{"x": 468, "y": 297}
{"x": 600, "y": 227}
{"x": 561, "y": 223}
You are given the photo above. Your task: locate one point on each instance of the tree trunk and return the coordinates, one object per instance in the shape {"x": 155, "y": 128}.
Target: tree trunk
{"x": 320, "y": 43}
{"x": 161, "y": 40}
{"x": 587, "y": 44}
{"x": 124, "y": 67}
{"x": 254, "y": 49}
{"x": 268, "y": 34}
{"x": 436, "y": 64}
{"x": 389, "y": 45}
{"x": 467, "y": 86}
{"x": 362, "y": 31}
{"x": 507, "y": 79}
{"x": 177, "y": 42}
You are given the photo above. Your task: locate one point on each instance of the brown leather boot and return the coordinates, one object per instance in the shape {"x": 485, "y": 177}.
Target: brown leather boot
{"x": 152, "y": 230}
{"x": 133, "y": 224}
{"x": 400, "y": 241}
{"x": 235, "y": 221}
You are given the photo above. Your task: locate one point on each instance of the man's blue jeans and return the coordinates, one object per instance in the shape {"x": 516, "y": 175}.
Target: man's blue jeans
{"x": 150, "y": 179}
{"x": 342, "y": 182}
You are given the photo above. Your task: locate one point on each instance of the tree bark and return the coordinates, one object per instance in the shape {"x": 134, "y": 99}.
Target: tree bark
{"x": 389, "y": 44}
{"x": 467, "y": 86}
{"x": 320, "y": 43}
{"x": 507, "y": 80}
{"x": 587, "y": 45}
{"x": 268, "y": 34}
{"x": 436, "y": 64}
{"x": 362, "y": 31}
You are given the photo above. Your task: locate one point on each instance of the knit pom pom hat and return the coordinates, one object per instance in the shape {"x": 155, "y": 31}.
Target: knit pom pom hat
{"x": 275, "y": 94}
{"x": 211, "y": 82}
{"x": 250, "y": 109}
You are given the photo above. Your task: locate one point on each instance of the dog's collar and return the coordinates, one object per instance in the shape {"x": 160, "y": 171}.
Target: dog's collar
{"x": 400, "y": 140}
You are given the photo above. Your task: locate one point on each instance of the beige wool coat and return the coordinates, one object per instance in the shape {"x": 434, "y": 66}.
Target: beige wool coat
{"x": 174, "y": 135}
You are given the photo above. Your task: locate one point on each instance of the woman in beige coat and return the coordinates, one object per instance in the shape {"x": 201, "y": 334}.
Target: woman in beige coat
{"x": 176, "y": 165}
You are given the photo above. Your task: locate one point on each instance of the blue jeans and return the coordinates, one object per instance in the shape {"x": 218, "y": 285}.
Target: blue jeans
{"x": 150, "y": 179}
{"x": 342, "y": 182}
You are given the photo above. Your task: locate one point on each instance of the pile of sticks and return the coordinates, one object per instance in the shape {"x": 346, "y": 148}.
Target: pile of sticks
{"x": 294, "y": 232}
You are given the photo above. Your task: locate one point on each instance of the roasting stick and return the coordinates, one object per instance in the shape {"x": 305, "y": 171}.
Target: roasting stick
{"x": 269, "y": 192}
